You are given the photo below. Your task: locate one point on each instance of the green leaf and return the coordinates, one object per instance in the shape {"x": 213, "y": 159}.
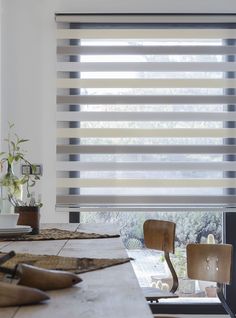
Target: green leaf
{"x": 17, "y": 158}
{"x": 10, "y": 125}
{"x": 10, "y": 159}
{"x": 22, "y": 140}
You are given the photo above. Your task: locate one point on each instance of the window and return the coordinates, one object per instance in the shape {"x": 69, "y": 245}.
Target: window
{"x": 149, "y": 265}
{"x": 145, "y": 113}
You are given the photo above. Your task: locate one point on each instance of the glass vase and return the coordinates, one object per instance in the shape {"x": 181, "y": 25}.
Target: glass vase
{"x": 11, "y": 190}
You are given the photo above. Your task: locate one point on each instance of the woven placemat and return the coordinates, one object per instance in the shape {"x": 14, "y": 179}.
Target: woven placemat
{"x": 72, "y": 264}
{"x": 58, "y": 234}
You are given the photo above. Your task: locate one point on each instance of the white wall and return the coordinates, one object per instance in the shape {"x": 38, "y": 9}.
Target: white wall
{"x": 0, "y": 64}
{"x": 29, "y": 69}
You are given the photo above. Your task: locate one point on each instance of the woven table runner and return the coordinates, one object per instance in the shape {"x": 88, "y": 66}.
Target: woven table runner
{"x": 58, "y": 234}
{"x": 72, "y": 264}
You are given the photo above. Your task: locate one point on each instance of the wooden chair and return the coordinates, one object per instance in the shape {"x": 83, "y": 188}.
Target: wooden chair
{"x": 160, "y": 235}
{"x": 211, "y": 262}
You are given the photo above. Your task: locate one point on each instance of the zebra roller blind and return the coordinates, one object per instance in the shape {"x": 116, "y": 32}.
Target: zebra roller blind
{"x": 146, "y": 112}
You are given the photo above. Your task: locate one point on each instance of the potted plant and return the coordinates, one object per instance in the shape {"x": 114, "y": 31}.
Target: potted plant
{"x": 12, "y": 186}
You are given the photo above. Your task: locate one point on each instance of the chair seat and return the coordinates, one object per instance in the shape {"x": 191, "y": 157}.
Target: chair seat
{"x": 153, "y": 294}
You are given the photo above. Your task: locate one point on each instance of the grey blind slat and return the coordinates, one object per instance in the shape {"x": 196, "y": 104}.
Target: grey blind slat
{"x": 147, "y": 99}
{"x": 146, "y": 149}
{"x": 143, "y": 166}
{"x": 95, "y": 200}
{"x": 112, "y": 133}
{"x": 148, "y": 50}
{"x": 139, "y": 208}
{"x": 148, "y": 127}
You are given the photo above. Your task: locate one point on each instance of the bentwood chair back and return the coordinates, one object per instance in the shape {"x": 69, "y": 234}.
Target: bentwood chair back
{"x": 160, "y": 235}
{"x": 211, "y": 262}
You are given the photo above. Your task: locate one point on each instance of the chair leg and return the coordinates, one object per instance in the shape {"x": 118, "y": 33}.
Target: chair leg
{"x": 173, "y": 273}
{"x": 221, "y": 297}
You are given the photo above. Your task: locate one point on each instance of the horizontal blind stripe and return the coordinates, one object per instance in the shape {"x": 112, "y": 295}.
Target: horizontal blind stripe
{"x": 145, "y": 183}
{"x": 146, "y": 83}
{"x": 145, "y": 116}
{"x": 147, "y": 50}
{"x": 144, "y": 166}
{"x": 146, "y": 33}
{"x": 145, "y": 200}
{"x": 145, "y": 99}
{"x": 146, "y": 66}
{"x": 135, "y": 132}
{"x": 137, "y": 208}
{"x": 146, "y": 149}
{"x": 164, "y": 18}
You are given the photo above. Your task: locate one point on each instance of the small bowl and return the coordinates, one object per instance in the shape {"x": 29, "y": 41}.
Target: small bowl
{"x": 8, "y": 220}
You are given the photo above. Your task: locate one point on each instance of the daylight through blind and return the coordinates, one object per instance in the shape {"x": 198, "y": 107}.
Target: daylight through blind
{"x": 145, "y": 112}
